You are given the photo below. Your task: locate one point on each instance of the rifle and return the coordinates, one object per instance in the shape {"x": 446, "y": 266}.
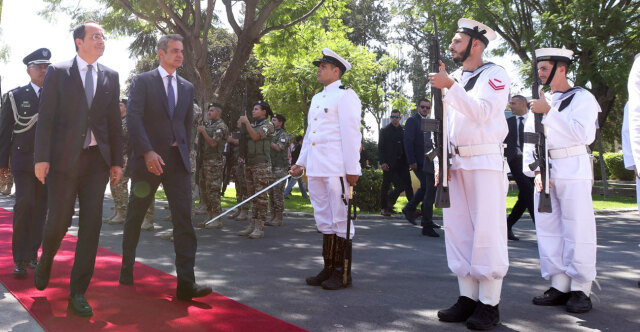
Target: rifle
{"x": 541, "y": 154}
{"x": 228, "y": 166}
{"x": 200, "y": 149}
{"x": 243, "y": 130}
{"x": 439, "y": 128}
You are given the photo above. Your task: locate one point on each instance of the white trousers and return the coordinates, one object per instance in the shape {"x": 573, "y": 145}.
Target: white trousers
{"x": 329, "y": 209}
{"x": 638, "y": 193}
{"x": 476, "y": 232}
{"x": 567, "y": 236}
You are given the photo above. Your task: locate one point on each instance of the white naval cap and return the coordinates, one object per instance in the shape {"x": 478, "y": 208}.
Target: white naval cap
{"x": 476, "y": 30}
{"x": 554, "y": 54}
{"x": 333, "y": 58}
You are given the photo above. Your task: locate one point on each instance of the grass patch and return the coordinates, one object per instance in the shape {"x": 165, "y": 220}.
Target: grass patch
{"x": 297, "y": 203}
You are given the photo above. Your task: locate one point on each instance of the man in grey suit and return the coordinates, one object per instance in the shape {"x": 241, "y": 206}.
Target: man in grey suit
{"x": 78, "y": 147}
{"x": 159, "y": 119}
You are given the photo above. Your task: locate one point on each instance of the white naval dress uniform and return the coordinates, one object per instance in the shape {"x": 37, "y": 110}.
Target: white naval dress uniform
{"x": 475, "y": 224}
{"x": 633, "y": 86}
{"x": 330, "y": 150}
{"x": 627, "y": 154}
{"x": 567, "y": 236}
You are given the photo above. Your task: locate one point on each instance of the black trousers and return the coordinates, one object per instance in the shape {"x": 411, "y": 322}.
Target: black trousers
{"x": 401, "y": 182}
{"x": 525, "y": 193}
{"x": 29, "y": 214}
{"x": 176, "y": 181}
{"x": 428, "y": 200}
{"x": 87, "y": 181}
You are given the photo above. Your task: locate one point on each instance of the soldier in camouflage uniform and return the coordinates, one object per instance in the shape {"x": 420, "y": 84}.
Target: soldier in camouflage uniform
{"x": 279, "y": 168}
{"x": 241, "y": 213}
{"x": 197, "y": 187}
{"x": 214, "y": 134}
{"x": 258, "y": 165}
{"x": 120, "y": 190}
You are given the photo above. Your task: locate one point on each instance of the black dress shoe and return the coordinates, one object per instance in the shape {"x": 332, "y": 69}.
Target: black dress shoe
{"x": 551, "y": 297}
{"x": 428, "y": 231}
{"x": 20, "y": 272}
{"x": 460, "y": 311}
{"x": 385, "y": 213}
{"x": 42, "y": 273}
{"x": 79, "y": 305}
{"x": 32, "y": 264}
{"x": 410, "y": 215}
{"x": 578, "y": 302}
{"x": 194, "y": 290}
{"x": 484, "y": 317}
{"x": 511, "y": 236}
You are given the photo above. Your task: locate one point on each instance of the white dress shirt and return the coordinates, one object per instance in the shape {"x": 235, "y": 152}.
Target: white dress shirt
{"x": 524, "y": 120}
{"x": 165, "y": 80}
{"x": 36, "y": 89}
{"x": 83, "y": 66}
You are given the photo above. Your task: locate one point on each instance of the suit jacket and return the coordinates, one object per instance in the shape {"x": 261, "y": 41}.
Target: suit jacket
{"x": 391, "y": 147}
{"x": 18, "y": 146}
{"x": 65, "y": 116}
{"x": 150, "y": 126}
{"x": 414, "y": 143}
{"x": 511, "y": 151}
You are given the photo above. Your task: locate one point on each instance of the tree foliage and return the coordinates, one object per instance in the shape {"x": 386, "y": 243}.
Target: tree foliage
{"x": 290, "y": 79}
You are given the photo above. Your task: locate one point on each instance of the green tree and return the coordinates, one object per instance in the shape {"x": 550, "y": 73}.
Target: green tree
{"x": 146, "y": 18}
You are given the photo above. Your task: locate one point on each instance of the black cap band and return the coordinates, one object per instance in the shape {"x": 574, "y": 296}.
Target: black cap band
{"x": 475, "y": 33}
{"x": 331, "y": 60}
{"x": 556, "y": 58}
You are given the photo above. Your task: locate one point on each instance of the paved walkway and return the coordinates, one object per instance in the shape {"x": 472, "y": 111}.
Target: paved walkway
{"x": 400, "y": 278}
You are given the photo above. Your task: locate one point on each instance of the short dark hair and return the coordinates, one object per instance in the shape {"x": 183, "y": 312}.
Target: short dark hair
{"x": 424, "y": 99}
{"x": 79, "y": 32}
{"x": 298, "y": 138}
{"x": 522, "y": 98}
{"x": 280, "y": 118}
{"x": 215, "y": 104}
{"x": 395, "y": 111}
{"x": 163, "y": 42}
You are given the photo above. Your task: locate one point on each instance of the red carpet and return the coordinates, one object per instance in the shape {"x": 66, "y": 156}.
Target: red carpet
{"x": 149, "y": 305}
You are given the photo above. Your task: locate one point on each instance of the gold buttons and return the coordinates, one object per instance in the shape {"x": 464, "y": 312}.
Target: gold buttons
{"x": 314, "y": 143}
{"x": 315, "y": 119}
{"x": 314, "y": 131}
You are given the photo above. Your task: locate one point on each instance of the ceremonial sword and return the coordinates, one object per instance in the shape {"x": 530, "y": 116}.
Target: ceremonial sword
{"x": 250, "y": 198}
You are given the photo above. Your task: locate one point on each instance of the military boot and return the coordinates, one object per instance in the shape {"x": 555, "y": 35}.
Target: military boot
{"x": 258, "y": 231}
{"x": 147, "y": 223}
{"x": 249, "y": 229}
{"x": 328, "y": 243}
{"x": 118, "y": 218}
{"x": 336, "y": 281}
{"x": 234, "y": 214}
{"x": 216, "y": 224}
{"x": 113, "y": 215}
{"x": 244, "y": 214}
{"x": 276, "y": 220}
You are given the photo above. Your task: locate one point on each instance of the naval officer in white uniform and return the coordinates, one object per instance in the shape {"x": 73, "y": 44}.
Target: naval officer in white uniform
{"x": 330, "y": 155}
{"x": 476, "y": 239}
{"x": 633, "y": 110}
{"x": 567, "y": 235}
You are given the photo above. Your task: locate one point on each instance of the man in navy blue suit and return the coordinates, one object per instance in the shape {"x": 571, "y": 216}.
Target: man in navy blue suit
{"x": 17, "y": 134}
{"x": 78, "y": 147}
{"x": 513, "y": 153}
{"x": 159, "y": 120}
{"x": 416, "y": 143}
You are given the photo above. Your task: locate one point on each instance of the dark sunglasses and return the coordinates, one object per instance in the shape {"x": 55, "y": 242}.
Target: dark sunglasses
{"x": 395, "y": 116}
{"x": 427, "y": 107}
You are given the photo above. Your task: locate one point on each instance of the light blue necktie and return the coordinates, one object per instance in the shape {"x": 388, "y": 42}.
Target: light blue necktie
{"x": 88, "y": 91}
{"x": 171, "y": 97}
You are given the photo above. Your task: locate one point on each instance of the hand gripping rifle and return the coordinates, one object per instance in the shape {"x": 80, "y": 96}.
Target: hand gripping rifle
{"x": 242, "y": 141}
{"x": 351, "y": 205}
{"x": 228, "y": 166}
{"x": 439, "y": 128}
{"x": 541, "y": 153}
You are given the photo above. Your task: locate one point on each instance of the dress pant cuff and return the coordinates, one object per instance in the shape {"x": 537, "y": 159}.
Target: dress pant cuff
{"x": 561, "y": 282}
{"x": 468, "y": 287}
{"x": 583, "y": 287}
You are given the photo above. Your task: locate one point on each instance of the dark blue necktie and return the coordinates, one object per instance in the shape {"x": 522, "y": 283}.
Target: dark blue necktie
{"x": 171, "y": 97}
{"x": 88, "y": 91}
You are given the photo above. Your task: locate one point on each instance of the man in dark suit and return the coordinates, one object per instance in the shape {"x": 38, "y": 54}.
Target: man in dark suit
{"x": 159, "y": 119}
{"x": 78, "y": 147}
{"x": 17, "y": 135}
{"x": 394, "y": 164}
{"x": 414, "y": 144}
{"x": 513, "y": 152}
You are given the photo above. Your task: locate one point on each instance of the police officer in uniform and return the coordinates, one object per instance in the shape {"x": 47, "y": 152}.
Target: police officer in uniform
{"x": 567, "y": 235}
{"x": 258, "y": 165}
{"x": 476, "y": 236}
{"x": 330, "y": 154}
{"x": 17, "y": 134}
{"x": 214, "y": 134}
{"x": 279, "y": 167}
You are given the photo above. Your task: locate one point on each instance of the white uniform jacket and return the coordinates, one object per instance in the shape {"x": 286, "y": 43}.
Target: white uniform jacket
{"x": 332, "y": 142}
{"x": 574, "y": 125}
{"x": 633, "y": 86}
{"x": 477, "y": 116}
{"x": 627, "y": 155}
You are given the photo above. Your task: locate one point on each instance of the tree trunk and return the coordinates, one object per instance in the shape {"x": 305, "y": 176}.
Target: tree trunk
{"x": 230, "y": 76}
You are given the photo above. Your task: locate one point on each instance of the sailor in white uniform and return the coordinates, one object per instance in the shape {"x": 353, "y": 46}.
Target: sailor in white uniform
{"x": 476, "y": 239}
{"x": 566, "y": 236}
{"x": 627, "y": 155}
{"x": 633, "y": 87}
{"x": 330, "y": 155}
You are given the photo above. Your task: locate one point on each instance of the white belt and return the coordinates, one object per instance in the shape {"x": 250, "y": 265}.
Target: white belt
{"x": 478, "y": 149}
{"x": 573, "y": 151}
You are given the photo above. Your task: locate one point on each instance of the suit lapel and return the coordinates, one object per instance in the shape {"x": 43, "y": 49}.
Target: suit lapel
{"x": 100, "y": 87}
{"x": 74, "y": 72}
{"x": 161, "y": 92}
{"x": 182, "y": 95}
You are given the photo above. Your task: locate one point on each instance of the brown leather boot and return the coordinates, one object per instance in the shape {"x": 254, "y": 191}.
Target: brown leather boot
{"x": 328, "y": 245}
{"x": 336, "y": 281}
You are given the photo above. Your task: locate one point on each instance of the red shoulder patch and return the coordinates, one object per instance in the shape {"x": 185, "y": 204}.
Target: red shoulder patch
{"x": 496, "y": 84}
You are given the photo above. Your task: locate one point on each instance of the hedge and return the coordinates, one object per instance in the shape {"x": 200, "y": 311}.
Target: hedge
{"x": 367, "y": 190}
